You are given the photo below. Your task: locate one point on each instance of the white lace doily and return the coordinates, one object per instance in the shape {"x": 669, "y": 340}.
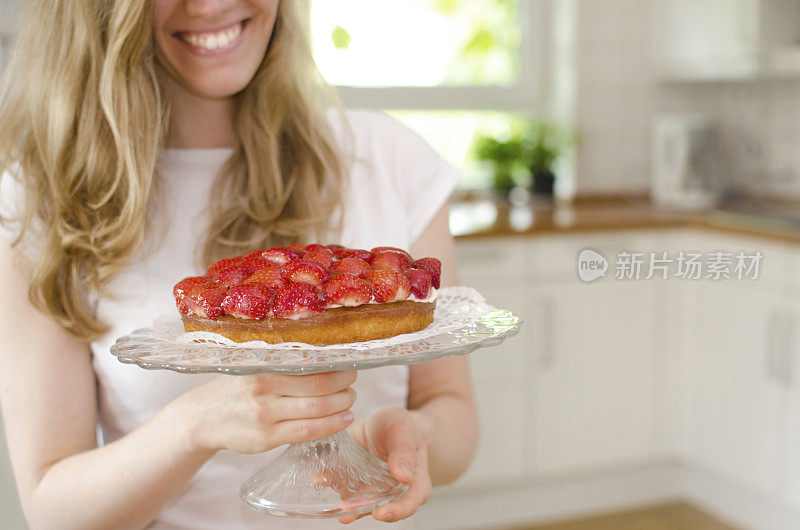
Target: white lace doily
{"x": 463, "y": 322}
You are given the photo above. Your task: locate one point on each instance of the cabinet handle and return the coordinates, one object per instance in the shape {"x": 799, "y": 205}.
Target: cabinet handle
{"x": 771, "y": 342}
{"x": 781, "y": 347}
{"x": 547, "y": 358}
{"x": 784, "y": 362}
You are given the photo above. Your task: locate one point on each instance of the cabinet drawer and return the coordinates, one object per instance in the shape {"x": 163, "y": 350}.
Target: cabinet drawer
{"x": 558, "y": 255}
{"x": 490, "y": 259}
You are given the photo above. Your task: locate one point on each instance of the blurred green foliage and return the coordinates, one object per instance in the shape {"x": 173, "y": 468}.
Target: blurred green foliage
{"x": 490, "y": 50}
{"x": 529, "y": 146}
{"x": 341, "y": 38}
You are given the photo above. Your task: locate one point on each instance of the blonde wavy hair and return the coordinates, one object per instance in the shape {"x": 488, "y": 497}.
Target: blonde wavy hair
{"x": 82, "y": 122}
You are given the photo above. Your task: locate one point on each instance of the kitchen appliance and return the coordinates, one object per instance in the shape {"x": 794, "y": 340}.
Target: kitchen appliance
{"x": 685, "y": 163}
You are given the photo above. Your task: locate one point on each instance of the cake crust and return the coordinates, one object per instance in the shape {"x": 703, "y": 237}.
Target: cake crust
{"x": 334, "y": 326}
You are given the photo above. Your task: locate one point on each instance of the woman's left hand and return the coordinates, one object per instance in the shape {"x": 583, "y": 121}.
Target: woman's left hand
{"x": 393, "y": 436}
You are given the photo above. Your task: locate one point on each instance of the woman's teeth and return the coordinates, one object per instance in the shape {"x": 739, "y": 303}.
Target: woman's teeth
{"x": 213, "y": 41}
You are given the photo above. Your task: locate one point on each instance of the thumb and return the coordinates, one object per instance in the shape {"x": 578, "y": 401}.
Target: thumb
{"x": 401, "y": 448}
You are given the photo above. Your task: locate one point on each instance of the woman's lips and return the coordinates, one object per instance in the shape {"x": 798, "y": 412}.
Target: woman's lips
{"x": 213, "y": 42}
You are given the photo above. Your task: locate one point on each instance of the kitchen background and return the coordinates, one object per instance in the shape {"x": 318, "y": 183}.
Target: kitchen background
{"x": 652, "y": 403}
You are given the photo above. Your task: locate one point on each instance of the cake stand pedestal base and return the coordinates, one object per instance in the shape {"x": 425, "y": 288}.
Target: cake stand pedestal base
{"x": 330, "y": 477}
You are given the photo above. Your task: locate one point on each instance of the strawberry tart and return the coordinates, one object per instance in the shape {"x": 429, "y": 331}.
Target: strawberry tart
{"x": 313, "y": 294}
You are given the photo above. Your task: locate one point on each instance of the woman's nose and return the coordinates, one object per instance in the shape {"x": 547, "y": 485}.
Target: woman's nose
{"x": 207, "y": 8}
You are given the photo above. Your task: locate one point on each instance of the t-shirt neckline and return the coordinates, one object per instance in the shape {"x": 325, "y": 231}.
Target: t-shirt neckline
{"x": 205, "y": 155}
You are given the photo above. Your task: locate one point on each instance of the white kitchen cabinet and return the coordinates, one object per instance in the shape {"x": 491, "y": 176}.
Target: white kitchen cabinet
{"x": 725, "y": 39}
{"x": 500, "y": 374}
{"x": 628, "y": 374}
{"x": 738, "y": 399}
{"x": 786, "y": 366}
{"x": 593, "y": 377}
{"x": 501, "y": 381}
{"x": 579, "y": 375}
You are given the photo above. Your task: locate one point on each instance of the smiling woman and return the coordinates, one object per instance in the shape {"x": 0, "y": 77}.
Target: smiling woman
{"x": 140, "y": 141}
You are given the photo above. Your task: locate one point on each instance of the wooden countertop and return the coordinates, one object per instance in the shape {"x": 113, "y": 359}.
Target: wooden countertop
{"x": 479, "y": 218}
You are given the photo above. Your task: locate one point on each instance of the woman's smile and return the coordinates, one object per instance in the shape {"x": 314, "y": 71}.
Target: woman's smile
{"x": 213, "y": 48}
{"x": 213, "y": 41}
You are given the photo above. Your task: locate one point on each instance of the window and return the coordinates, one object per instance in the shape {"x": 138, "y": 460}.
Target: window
{"x": 446, "y": 68}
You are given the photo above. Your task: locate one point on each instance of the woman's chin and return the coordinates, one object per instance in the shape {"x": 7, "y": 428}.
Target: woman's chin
{"x": 217, "y": 87}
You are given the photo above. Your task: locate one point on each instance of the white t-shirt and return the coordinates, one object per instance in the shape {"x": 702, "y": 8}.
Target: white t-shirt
{"x": 398, "y": 183}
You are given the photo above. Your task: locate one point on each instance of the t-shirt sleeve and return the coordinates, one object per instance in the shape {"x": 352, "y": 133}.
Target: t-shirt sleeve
{"x": 423, "y": 178}
{"x": 12, "y": 200}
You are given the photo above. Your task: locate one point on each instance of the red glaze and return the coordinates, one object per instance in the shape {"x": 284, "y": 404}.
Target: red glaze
{"x": 359, "y": 253}
{"x": 304, "y": 271}
{"x": 354, "y": 266}
{"x": 298, "y": 300}
{"x": 280, "y": 255}
{"x": 389, "y": 285}
{"x": 348, "y": 290}
{"x": 256, "y": 260}
{"x": 323, "y": 256}
{"x": 183, "y": 286}
{"x": 223, "y": 264}
{"x": 269, "y": 276}
{"x": 206, "y": 299}
{"x": 433, "y": 266}
{"x": 248, "y": 300}
{"x": 234, "y": 275}
{"x": 420, "y": 282}
{"x": 302, "y": 276}
{"x": 315, "y": 246}
{"x": 389, "y": 259}
{"x": 393, "y": 249}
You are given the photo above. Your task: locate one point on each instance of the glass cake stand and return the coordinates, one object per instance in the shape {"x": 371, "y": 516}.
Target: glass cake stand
{"x": 333, "y": 476}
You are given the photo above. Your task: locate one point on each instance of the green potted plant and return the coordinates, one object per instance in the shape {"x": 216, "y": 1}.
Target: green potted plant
{"x": 505, "y": 156}
{"x": 532, "y": 148}
{"x": 543, "y": 144}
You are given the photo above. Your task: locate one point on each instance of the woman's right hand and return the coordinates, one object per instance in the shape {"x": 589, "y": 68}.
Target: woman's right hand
{"x": 255, "y": 413}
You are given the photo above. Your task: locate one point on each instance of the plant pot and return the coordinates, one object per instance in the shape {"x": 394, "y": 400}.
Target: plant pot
{"x": 543, "y": 182}
{"x": 502, "y": 183}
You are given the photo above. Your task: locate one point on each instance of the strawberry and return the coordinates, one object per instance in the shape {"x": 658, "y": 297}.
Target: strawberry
{"x": 183, "y": 286}
{"x": 205, "y": 299}
{"x": 389, "y": 285}
{"x": 298, "y": 300}
{"x": 391, "y": 259}
{"x": 296, "y": 247}
{"x": 433, "y": 266}
{"x": 279, "y": 255}
{"x": 359, "y": 253}
{"x": 296, "y": 253}
{"x": 269, "y": 276}
{"x": 304, "y": 271}
{"x": 420, "y": 282}
{"x": 348, "y": 290}
{"x": 233, "y": 275}
{"x": 256, "y": 260}
{"x": 315, "y": 246}
{"x": 248, "y": 300}
{"x": 393, "y": 249}
{"x": 334, "y": 248}
{"x": 354, "y": 266}
{"x": 222, "y": 264}
{"x": 323, "y": 256}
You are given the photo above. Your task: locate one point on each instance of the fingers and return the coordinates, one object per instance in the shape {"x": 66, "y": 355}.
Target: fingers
{"x": 401, "y": 463}
{"x": 418, "y": 492}
{"x": 304, "y": 385}
{"x": 289, "y": 408}
{"x": 351, "y": 518}
{"x": 295, "y": 431}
